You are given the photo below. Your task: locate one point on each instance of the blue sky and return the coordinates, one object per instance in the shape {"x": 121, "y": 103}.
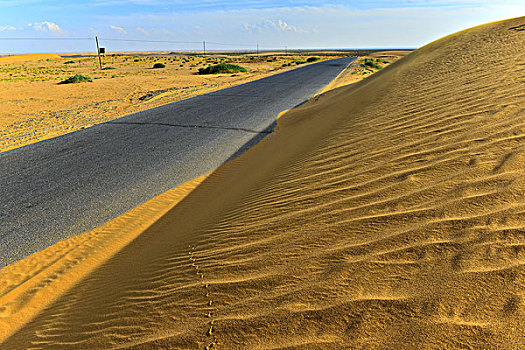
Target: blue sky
{"x": 241, "y": 24}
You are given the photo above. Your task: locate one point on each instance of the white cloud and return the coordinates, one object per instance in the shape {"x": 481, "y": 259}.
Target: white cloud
{"x": 6, "y": 28}
{"x": 270, "y": 24}
{"x": 118, "y": 29}
{"x": 140, "y": 30}
{"x": 46, "y": 27}
{"x": 283, "y": 26}
{"x": 247, "y": 27}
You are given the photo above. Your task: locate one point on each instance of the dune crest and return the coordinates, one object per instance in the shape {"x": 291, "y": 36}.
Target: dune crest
{"x": 386, "y": 214}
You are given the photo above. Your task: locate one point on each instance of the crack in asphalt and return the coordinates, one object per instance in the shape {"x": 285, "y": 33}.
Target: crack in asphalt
{"x": 195, "y": 126}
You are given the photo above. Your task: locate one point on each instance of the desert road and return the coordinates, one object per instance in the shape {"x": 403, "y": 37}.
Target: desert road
{"x": 67, "y": 185}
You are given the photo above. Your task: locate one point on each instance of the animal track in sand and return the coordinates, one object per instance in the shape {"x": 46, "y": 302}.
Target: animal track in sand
{"x": 210, "y": 333}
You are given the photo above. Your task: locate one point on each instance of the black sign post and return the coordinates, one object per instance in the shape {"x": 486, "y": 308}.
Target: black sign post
{"x": 98, "y": 52}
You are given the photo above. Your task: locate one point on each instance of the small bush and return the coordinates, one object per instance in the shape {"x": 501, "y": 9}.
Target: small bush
{"x": 299, "y": 62}
{"x": 286, "y": 65}
{"x": 222, "y": 68}
{"x": 69, "y": 62}
{"x": 136, "y": 60}
{"x": 159, "y": 65}
{"x": 76, "y": 79}
{"x": 370, "y": 63}
{"x": 312, "y": 59}
{"x": 106, "y": 68}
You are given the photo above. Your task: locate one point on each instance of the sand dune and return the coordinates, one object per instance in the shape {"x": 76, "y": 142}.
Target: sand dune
{"x": 28, "y": 57}
{"x": 388, "y": 214}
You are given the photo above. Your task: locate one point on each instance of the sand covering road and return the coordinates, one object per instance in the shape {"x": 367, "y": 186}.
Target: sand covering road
{"x": 386, "y": 214}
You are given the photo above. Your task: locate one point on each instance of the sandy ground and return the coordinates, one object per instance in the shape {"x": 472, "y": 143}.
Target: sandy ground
{"x": 34, "y": 107}
{"x": 384, "y": 214}
{"x": 358, "y": 70}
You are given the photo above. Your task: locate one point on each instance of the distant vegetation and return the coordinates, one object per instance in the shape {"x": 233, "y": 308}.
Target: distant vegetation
{"x": 159, "y": 65}
{"x": 76, "y": 79}
{"x": 222, "y": 68}
{"x": 369, "y": 62}
{"x": 312, "y": 59}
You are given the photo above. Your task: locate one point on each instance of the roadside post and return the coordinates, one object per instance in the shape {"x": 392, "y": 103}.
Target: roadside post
{"x": 98, "y": 53}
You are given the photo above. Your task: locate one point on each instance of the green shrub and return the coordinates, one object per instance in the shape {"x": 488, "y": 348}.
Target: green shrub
{"x": 159, "y": 65}
{"x": 106, "y": 68}
{"x": 312, "y": 59}
{"x": 136, "y": 60}
{"x": 222, "y": 68}
{"x": 69, "y": 62}
{"x": 76, "y": 79}
{"x": 370, "y": 63}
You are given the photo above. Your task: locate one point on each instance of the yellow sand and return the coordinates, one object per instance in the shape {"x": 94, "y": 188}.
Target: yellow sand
{"x": 28, "y": 57}
{"x": 356, "y": 71}
{"x": 390, "y": 53}
{"x": 28, "y": 286}
{"x": 387, "y": 214}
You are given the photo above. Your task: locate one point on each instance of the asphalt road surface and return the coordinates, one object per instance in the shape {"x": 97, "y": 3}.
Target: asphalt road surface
{"x": 70, "y": 184}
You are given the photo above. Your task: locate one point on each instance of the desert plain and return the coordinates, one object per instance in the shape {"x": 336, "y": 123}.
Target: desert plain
{"x": 383, "y": 214}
